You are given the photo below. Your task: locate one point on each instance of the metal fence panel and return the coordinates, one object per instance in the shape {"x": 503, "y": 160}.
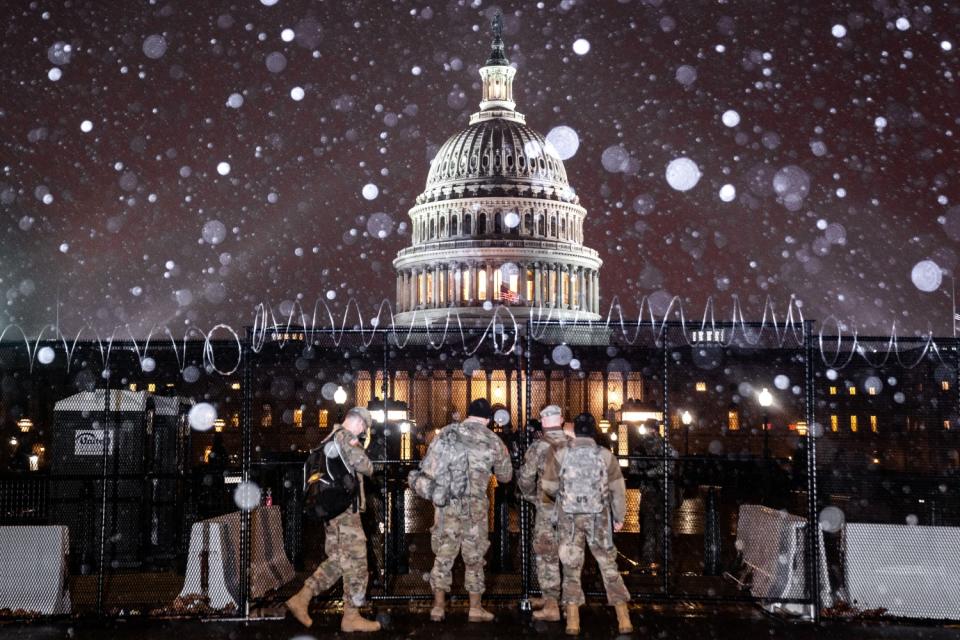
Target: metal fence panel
{"x": 727, "y": 498}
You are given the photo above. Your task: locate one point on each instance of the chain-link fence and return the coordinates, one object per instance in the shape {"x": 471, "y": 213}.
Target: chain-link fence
{"x": 762, "y": 464}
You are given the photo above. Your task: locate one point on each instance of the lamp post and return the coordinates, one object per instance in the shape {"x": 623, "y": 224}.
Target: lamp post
{"x": 686, "y": 419}
{"x": 340, "y": 397}
{"x": 765, "y": 398}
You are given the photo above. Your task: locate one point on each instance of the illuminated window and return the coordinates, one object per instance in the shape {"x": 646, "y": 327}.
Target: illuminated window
{"x": 733, "y": 421}
{"x": 482, "y": 284}
{"x": 206, "y": 454}
{"x": 405, "y": 446}
{"x": 945, "y": 385}
{"x": 235, "y": 386}
{"x": 465, "y": 280}
{"x": 235, "y": 420}
{"x": 871, "y": 391}
{"x": 529, "y": 284}
{"x": 946, "y": 425}
{"x": 323, "y": 419}
{"x": 298, "y": 418}
{"x": 853, "y": 424}
{"x": 151, "y": 387}
{"x": 873, "y": 424}
{"x": 852, "y": 391}
{"x": 133, "y": 386}
{"x": 833, "y": 391}
{"x": 266, "y": 418}
{"x": 834, "y": 424}
{"x": 701, "y": 386}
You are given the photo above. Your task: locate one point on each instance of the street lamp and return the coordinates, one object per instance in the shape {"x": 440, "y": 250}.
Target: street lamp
{"x": 25, "y": 424}
{"x": 340, "y": 397}
{"x": 765, "y": 398}
{"x": 686, "y": 419}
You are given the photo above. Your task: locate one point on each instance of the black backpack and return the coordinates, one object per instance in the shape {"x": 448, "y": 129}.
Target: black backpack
{"x": 332, "y": 487}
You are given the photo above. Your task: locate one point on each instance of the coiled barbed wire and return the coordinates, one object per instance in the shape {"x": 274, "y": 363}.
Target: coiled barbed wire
{"x": 502, "y": 331}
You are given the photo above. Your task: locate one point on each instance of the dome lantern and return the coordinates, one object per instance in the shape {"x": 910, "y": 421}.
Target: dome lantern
{"x": 497, "y": 75}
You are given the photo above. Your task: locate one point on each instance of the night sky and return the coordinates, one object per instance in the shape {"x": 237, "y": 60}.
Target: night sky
{"x": 157, "y": 167}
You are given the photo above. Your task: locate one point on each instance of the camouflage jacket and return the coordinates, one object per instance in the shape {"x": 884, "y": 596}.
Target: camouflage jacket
{"x": 531, "y": 472}
{"x": 615, "y": 483}
{"x": 356, "y": 458}
{"x": 353, "y": 453}
{"x": 486, "y": 454}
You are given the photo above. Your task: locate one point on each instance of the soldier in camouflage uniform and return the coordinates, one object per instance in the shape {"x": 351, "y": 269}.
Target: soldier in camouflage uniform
{"x": 545, "y": 545}
{"x": 461, "y": 525}
{"x": 346, "y": 543}
{"x": 591, "y": 506}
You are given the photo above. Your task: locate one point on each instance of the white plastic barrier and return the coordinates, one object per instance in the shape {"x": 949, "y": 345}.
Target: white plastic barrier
{"x": 33, "y": 569}
{"x": 218, "y": 539}
{"x": 773, "y": 546}
{"x": 211, "y": 539}
{"x": 910, "y": 571}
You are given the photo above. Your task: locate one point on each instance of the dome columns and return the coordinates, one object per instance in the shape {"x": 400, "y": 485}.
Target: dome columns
{"x": 469, "y": 284}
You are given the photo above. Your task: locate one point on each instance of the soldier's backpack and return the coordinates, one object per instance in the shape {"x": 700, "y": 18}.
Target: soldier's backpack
{"x": 444, "y": 473}
{"x": 583, "y": 481}
{"x": 332, "y": 485}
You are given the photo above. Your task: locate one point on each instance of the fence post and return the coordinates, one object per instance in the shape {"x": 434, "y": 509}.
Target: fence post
{"x": 813, "y": 525}
{"x": 665, "y": 462}
{"x": 524, "y": 441}
{"x": 245, "y": 460}
{"x": 105, "y": 444}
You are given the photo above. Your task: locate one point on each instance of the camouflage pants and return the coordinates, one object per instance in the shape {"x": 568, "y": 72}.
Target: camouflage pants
{"x": 546, "y": 552}
{"x": 460, "y": 527}
{"x": 346, "y": 548}
{"x": 596, "y": 531}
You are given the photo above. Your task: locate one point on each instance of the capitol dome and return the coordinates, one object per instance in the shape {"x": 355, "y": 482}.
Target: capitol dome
{"x": 498, "y": 222}
{"x": 501, "y": 152}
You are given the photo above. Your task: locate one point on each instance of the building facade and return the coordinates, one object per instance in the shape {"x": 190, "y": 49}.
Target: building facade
{"x": 498, "y": 222}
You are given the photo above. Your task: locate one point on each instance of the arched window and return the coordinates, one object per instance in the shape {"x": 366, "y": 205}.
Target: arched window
{"x": 467, "y": 224}
{"x": 528, "y": 223}
{"x": 432, "y": 230}
{"x": 553, "y": 227}
{"x": 443, "y": 227}
{"x": 563, "y": 228}
{"x": 541, "y": 225}
{"x": 482, "y": 224}
{"x": 453, "y": 226}
{"x": 497, "y": 223}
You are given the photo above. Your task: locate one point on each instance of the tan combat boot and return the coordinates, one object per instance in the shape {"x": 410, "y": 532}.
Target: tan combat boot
{"x": 537, "y": 603}
{"x": 439, "y": 610}
{"x": 299, "y": 606}
{"x": 477, "y": 612}
{"x": 623, "y": 617}
{"x": 550, "y": 611}
{"x": 353, "y": 621}
{"x": 573, "y": 620}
